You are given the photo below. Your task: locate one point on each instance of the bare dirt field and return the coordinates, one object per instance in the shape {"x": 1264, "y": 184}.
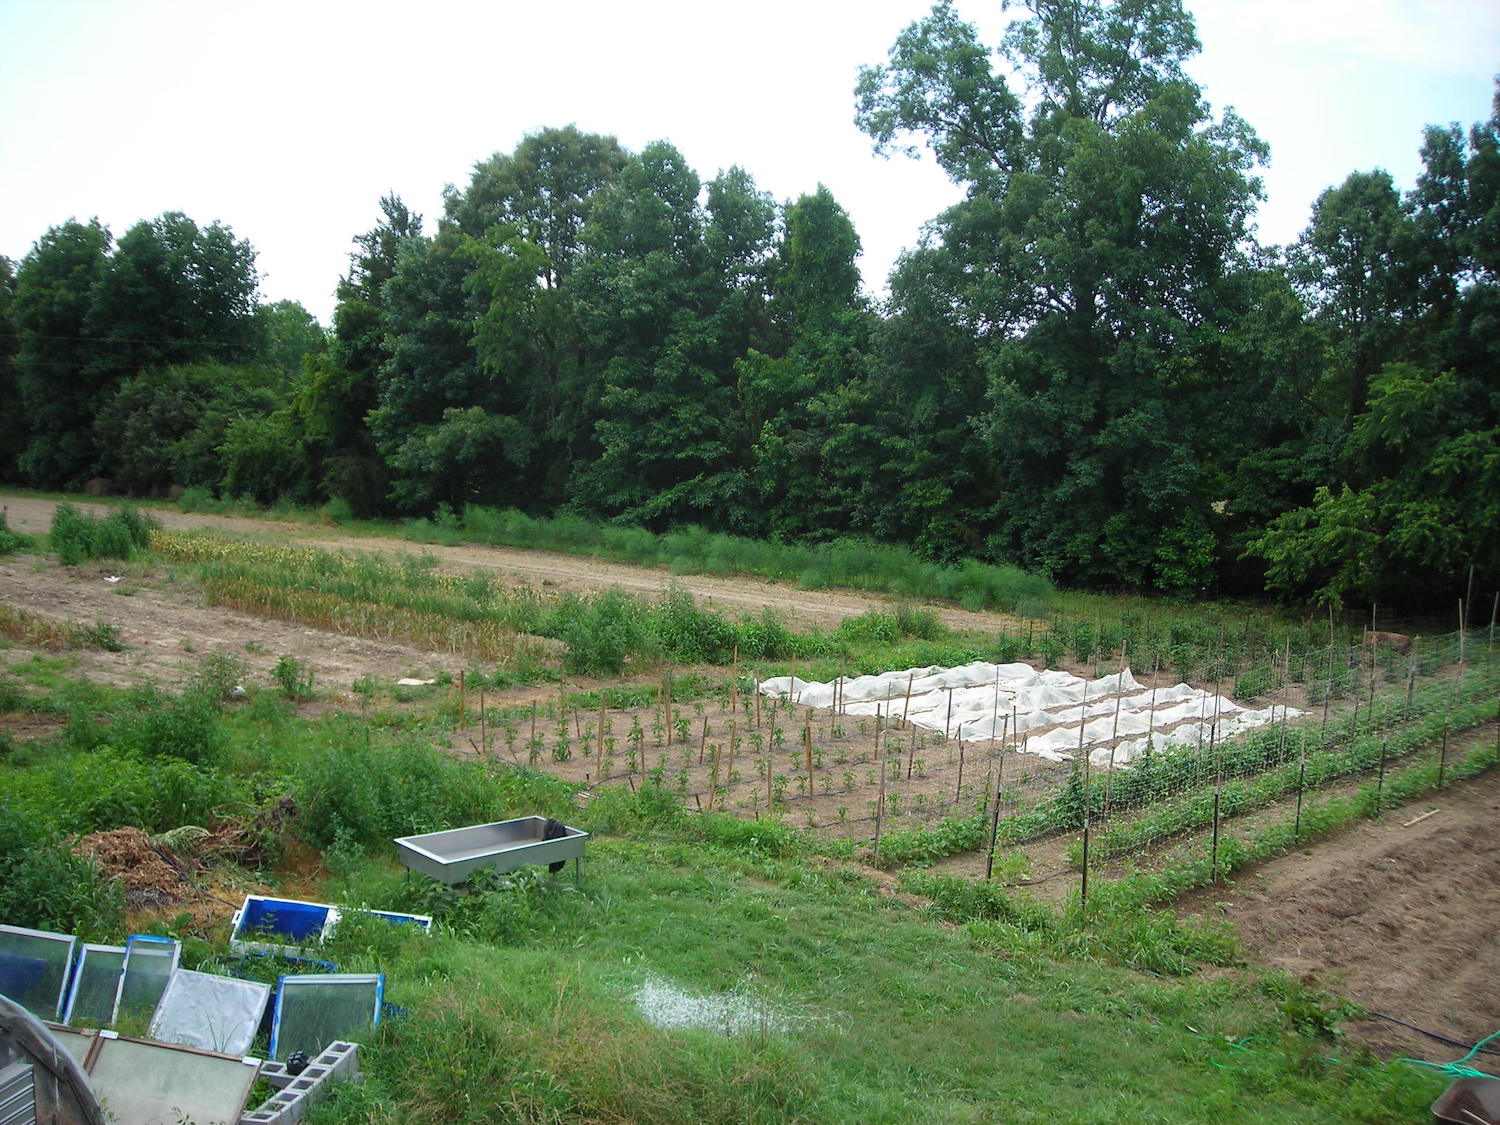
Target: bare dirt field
{"x": 1399, "y": 915}
{"x": 734, "y": 596}
{"x": 166, "y": 628}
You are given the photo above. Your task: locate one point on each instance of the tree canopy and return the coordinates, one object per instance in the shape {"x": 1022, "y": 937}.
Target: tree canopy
{"x": 1088, "y": 366}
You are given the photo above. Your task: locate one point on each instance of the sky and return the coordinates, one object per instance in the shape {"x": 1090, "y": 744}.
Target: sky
{"x": 288, "y": 121}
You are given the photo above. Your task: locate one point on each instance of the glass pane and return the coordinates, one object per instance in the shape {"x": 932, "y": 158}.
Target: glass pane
{"x": 316, "y": 1009}
{"x": 157, "y": 1084}
{"x": 92, "y": 1001}
{"x": 34, "y": 969}
{"x": 148, "y": 965}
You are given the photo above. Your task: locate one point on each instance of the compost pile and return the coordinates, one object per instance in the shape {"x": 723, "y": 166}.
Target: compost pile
{"x": 152, "y": 878}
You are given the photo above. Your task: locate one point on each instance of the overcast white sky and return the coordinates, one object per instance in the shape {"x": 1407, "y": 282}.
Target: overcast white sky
{"x": 288, "y": 121}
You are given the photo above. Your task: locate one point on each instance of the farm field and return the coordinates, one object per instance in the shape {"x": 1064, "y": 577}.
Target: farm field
{"x": 1382, "y": 913}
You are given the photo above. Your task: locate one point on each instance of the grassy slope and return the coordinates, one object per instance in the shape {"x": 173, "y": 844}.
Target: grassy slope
{"x": 901, "y": 1018}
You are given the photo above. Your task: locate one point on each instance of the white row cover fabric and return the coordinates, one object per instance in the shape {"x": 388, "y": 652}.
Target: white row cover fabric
{"x": 1036, "y": 712}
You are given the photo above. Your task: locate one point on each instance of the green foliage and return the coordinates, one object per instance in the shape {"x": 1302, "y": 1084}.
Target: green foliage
{"x": 11, "y": 541}
{"x": 859, "y": 564}
{"x": 602, "y": 633}
{"x": 372, "y": 791}
{"x": 294, "y": 680}
{"x": 110, "y": 788}
{"x": 949, "y": 836}
{"x": 77, "y": 537}
{"x": 44, "y": 886}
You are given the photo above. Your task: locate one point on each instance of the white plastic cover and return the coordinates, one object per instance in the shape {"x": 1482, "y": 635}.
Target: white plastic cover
{"x": 1037, "y": 712}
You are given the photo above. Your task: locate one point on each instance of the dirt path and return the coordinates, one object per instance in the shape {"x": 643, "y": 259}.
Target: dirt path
{"x": 733, "y": 596}
{"x": 1398, "y": 915}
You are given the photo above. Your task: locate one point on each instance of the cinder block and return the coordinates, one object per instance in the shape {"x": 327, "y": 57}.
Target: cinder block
{"x": 296, "y": 1094}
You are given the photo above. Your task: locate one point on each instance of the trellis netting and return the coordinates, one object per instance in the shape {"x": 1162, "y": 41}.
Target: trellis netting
{"x": 1052, "y": 715}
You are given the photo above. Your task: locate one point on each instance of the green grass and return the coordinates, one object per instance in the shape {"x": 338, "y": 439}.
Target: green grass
{"x": 891, "y": 1016}
{"x": 847, "y": 563}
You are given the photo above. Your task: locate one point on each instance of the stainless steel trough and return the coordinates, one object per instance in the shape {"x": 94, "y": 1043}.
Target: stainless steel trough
{"x": 452, "y": 856}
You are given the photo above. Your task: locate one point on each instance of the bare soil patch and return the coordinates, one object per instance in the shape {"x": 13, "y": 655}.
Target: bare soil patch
{"x": 166, "y": 628}
{"x": 733, "y": 596}
{"x": 1398, "y": 915}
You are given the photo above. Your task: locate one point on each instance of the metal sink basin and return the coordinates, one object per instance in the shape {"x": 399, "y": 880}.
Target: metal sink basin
{"x": 453, "y": 855}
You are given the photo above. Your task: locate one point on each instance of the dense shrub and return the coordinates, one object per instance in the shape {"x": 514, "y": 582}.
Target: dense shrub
{"x": 600, "y": 634}
{"x": 44, "y": 886}
{"x": 153, "y": 724}
{"x": 77, "y": 537}
{"x": 689, "y": 635}
{"x": 10, "y": 541}
{"x": 351, "y": 789}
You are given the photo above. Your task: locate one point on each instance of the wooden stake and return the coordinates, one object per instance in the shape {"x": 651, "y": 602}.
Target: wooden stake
{"x": 807, "y": 750}
{"x": 879, "y": 811}
{"x": 1114, "y": 734}
{"x": 713, "y": 776}
{"x": 770, "y": 769}
{"x": 733, "y": 739}
{"x": 989, "y": 862}
{"x": 702, "y": 738}
{"x": 906, "y": 707}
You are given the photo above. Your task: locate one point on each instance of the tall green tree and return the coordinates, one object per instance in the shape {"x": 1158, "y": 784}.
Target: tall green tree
{"x": 802, "y": 395}
{"x": 1104, "y": 212}
{"x": 287, "y": 335}
{"x": 60, "y": 384}
{"x": 173, "y": 292}
{"x": 13, "y": 420}
{"x": 670, "y": 293}
{"x": 337, "y": 392}
{"x": 522, "y": 216}
{"x": 1359, "y": 277}
{"x": 1410, "y": 510}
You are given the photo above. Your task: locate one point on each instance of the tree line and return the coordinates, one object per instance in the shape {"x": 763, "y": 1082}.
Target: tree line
{"x": 1089, "y": 366}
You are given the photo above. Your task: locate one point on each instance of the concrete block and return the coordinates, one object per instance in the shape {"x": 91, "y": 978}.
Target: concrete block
{"x": 295, "y": 1094}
